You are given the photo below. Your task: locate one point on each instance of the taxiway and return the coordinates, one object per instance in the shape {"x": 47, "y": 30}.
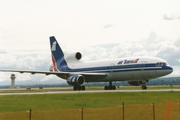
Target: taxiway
{"x": 89, "y": 91}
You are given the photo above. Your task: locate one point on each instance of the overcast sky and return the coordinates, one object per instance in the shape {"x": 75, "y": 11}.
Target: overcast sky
{"x": 100, "y": 29}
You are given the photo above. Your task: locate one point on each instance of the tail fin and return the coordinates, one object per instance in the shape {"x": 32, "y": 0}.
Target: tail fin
{"x": 58, "y": 60}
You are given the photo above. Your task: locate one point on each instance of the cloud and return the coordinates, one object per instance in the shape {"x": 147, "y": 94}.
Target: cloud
{"x": 3, "y": 52}
{"x": 108, "y": 26}
{"x": 171, "y": 17}
{"x": 153, "y": 45}
{"x": 94, "y": 53}
{"x": 38, "y": 62}
{"x": 177, "y": 42}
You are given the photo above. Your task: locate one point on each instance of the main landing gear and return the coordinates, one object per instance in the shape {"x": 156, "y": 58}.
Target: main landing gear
{"x": 144, "y": 87}
{"x": 79, "y": 88}
{"x": 110, "y": 87}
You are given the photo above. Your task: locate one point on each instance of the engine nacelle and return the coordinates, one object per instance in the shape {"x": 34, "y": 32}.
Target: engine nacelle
{"x": 51, "y": 68}
{"x": 76, "y": 80}
{"x": 136, "y": 83}
{"x": 74, "y": 56}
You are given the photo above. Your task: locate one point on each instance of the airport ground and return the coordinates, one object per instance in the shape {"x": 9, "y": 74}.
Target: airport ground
{"x": 102, "y": 105}
{"x": 51, "y": 89}
{"x": 56, "y": 101}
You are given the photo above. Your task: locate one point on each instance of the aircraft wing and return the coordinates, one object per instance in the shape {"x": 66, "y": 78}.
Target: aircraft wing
{"x": 86, "y": 75}
{"x": 34, "y": 72}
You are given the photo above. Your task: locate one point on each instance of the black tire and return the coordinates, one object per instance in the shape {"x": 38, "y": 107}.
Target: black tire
{"x": 83, "y": 87}
{"x": 75, "y": 88}
{"x": 114, "y": 87}
{"x": 106, "y": 87}
{"x": 110, "y": 87}
{"x": 144, "y": 87}
{"x": 79, "y": 87}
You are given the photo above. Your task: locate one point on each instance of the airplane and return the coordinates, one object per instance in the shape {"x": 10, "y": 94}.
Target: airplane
{"x": 136, "y": 70}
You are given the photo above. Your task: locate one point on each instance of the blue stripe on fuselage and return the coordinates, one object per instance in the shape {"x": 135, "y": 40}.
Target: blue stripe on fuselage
{"x": 119, "y": 68}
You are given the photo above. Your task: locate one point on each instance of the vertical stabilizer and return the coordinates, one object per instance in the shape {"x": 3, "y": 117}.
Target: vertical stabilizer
{"x": 58, "y": 60}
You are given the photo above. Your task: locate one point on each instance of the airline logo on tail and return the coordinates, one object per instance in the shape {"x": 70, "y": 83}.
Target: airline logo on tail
{"x": 53, "y": 46}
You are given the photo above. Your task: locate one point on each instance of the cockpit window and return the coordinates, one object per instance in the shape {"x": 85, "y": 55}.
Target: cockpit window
{"x": 161, "y": 64}
{"x": 164, "y": 64}
{"x": 157, "y": 64}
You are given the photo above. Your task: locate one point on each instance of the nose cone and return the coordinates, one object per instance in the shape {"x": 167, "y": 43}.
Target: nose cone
{"x": 164, "y": 71}
{"x": 169, "y": 69}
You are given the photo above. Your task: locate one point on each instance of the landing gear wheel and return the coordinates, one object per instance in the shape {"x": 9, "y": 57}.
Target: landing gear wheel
{"x": 144, "y": 87}
{"x": 79, "y": 87}
{"x": 114, "y": 87}
{"x": 110, "y": 87}
{"x": 83, "y": 87}
{"x": 106, "y": 87}
{"x": 75, "y": 88}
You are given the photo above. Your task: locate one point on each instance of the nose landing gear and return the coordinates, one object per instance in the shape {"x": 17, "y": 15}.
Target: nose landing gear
{"x": 143, "y": 84}
{"x": 144, "y": 87}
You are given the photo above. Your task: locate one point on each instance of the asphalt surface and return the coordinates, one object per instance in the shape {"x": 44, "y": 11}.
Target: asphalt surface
{"x": 88, "y": 91}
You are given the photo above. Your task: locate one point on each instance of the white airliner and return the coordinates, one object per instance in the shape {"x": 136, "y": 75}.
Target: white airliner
{"x": 136, "y": 70}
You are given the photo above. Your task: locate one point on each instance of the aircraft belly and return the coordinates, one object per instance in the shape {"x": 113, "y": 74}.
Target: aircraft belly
{"x": 137, "y": 75}
{"x": 123, "y": 76}
{"x": 107, "y": 78}
{"x": 126, "y": 76}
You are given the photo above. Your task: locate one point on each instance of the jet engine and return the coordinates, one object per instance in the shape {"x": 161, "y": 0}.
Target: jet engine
{"x": 74, "y": 56}
{"x": 51, "y": 67}
{"x": 76, "y": 80}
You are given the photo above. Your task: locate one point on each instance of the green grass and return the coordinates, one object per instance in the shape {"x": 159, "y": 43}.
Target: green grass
{"x": 85, "y": 100}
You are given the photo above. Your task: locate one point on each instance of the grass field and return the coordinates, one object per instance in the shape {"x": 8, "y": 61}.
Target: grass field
{"x": 88, "y": 100}
{"x": 99, "y": 106}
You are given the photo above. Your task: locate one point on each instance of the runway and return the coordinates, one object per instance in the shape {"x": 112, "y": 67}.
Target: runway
{"x": 89, "y": 91}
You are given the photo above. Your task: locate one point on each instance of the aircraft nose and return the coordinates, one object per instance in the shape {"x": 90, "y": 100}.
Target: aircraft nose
{"x": 170, "y": 69}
